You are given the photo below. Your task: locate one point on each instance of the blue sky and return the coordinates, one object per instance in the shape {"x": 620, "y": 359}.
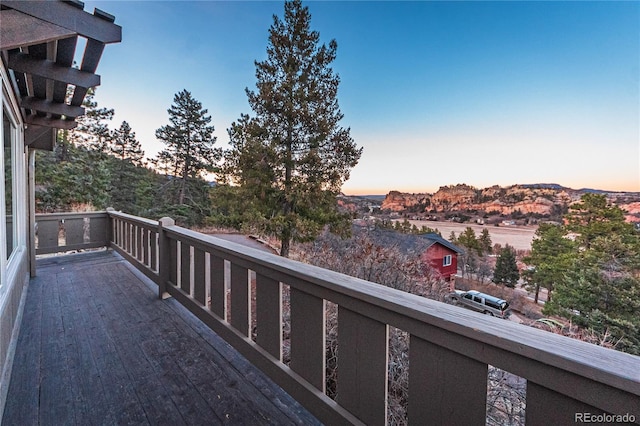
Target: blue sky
{"x": 437, "y": 93}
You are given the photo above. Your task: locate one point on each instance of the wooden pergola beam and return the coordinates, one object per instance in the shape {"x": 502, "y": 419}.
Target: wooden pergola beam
{"x": 98, "y": 27}
{"x": 51, "y": 122}
{"x": 39, "y": 137}
{"x": 22, "y": 62}
{"x": 20, "y": 29}
{"x": 50, "y": 107}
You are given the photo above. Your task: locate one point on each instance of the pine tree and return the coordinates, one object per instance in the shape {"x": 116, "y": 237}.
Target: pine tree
{"x": 189, "y": 139}
{"x": 452, "y": 237}
{"x": 468, "y": 239}
{"x": 598, "y": 284}
{"x": 484, "y": 240}
{"x": 92, "y": 131}
{"x": 594, "y": 217}
{"x": 76, "y": 173}
{"x": 70, "y": 177}
{"x": 293, "y": 157}
{"x": 506, "y": 271}
{"x": 125, "y": 146}
{"x": 550, "y": 257}
{"x": 126, "y": 169}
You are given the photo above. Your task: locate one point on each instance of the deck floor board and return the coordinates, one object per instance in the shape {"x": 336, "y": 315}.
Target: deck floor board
{"x": 98, "y": 347}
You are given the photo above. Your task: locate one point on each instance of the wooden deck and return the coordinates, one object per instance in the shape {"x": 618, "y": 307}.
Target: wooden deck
{"x": 97, "y": 346}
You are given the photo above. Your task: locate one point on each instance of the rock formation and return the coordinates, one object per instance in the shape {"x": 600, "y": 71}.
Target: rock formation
{"x": 542, "y": 199}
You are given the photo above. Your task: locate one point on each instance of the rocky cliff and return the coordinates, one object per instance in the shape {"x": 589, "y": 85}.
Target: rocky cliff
{"x": 542, "y": 199}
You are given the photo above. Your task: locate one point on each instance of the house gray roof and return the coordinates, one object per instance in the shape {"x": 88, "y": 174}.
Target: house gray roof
{"x": 409, "y": 242}
{"x": 435, "y": 238}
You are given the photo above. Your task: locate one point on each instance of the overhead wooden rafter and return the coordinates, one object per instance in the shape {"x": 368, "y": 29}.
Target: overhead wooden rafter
{"x": 37, "y": 43}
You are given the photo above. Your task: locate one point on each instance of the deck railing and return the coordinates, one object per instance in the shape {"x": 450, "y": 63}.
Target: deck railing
{"x": 450, "y": 348}
{"x": 60, "y": 232}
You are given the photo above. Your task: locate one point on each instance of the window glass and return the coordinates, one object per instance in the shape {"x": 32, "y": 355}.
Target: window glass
{"x": 8, "y": 181}
{"x": 446, "y": 261}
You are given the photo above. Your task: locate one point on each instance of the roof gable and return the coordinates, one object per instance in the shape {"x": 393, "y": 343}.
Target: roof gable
{"x": 437, "y": 239}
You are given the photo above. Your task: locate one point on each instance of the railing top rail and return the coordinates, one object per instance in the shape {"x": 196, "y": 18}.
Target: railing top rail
{"x": 607, "y": 366}
{"x": 135, "y": 219}
{"x": 69, "y": 215}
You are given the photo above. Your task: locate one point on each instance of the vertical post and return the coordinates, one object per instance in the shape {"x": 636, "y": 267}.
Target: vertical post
{"x": 110, "y": 239}
{"x": 164, "y": 247}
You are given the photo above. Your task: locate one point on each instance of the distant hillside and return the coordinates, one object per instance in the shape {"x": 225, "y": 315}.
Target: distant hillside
{"x": 543, "y": 200}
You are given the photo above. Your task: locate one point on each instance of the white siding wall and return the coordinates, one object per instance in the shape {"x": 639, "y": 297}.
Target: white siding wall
{"x": 14, "y": 269}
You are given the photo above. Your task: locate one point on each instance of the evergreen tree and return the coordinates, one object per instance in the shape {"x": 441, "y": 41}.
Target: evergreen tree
{"x": 506, "y": 271}
{"x": 70, "y": 177}
{"x": 92, "y": 131}
{"x": 484, "y": 241}
{"x": 600, "y": 285}
{"x": 76, "y": 173}
{"x": 452, "y": 237}
{"x": 551, "y": 255}
{"x": 292, "y": 158}
{"x": 594, "y": 217}
{"x": 125, "y": 146}
{"x": 601, "y": 291}
{"x": 126, "y": 169}
{"x": 189, "y": 142}
{"x": 468, "y": 239}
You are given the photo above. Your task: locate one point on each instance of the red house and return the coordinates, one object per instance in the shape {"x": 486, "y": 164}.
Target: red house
{"x": 432, "y": 249}
{"x": 441, "y": 255}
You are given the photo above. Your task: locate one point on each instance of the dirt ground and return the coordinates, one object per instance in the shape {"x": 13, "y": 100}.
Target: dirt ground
{"x": 518, "y": 237}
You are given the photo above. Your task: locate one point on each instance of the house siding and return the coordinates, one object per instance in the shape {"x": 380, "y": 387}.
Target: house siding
{"x": 434, "y": 256}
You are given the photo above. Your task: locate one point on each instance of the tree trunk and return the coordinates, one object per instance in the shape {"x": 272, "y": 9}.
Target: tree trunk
{"x": 181, "y": 193}
{"x": 285, "y": 243}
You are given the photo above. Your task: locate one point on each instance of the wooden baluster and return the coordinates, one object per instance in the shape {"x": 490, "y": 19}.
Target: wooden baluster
{"x": 140, "y": 249}
{"x": 199, "y": 276}
{"x": 545, "y": 406}
{"x": 167, "y": 257}
{"x": 363, "y": 353}
{"x": 240, "y": 299}
{"x": 127, "y": 237}
{"x": 444, "y": 386}
{"x": 308, "y": 327}
{"x": 48, "y": 235}
{"x": 145, "y": 247}
{"x": 118, "y": 232}
{"x": 269, "y": 315}
{"x": 218, "y": 289}
{"x": 74, "y": 231}
{"x": 185, "y": 267}
{"x": 153, "y": 251}
{"x": 99, "y": 230}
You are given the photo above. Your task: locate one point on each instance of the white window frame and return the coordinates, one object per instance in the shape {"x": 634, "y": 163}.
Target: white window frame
{"x": 9, "y": 109}
{"x": 447, "y": 260}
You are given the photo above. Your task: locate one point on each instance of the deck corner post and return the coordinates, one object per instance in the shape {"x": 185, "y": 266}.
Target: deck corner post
{"x": 165, "y": 256}
{"x": 110, "y": 239}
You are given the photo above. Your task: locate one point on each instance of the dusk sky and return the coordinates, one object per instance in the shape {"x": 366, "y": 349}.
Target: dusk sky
{"x": 437, "y": 93}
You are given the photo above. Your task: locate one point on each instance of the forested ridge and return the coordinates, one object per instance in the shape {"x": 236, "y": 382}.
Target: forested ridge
{"x": 89, "y": 172}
